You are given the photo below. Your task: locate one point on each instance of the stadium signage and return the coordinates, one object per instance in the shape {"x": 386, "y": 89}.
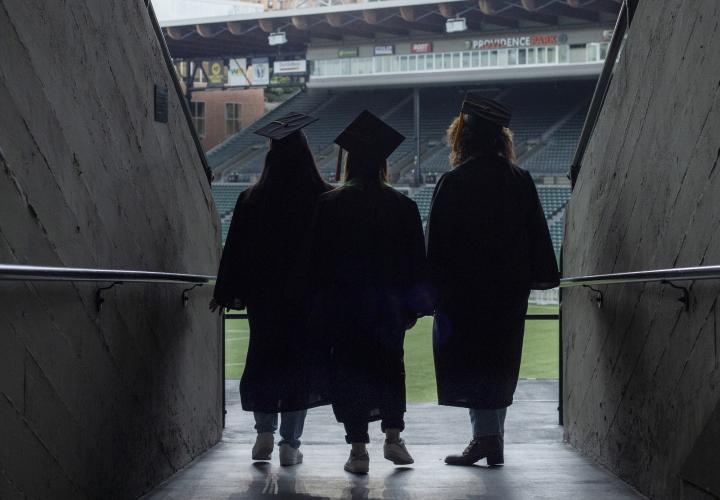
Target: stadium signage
{"x": 384, "y": 50}
{"x": 348, "y": 52}
{"x": 289, "y": 67}
{"x": 512, "y": 42}
{"x": 215, "y": 72}
{"x": 421, "y": 48}
{"x": 242, "y": 74}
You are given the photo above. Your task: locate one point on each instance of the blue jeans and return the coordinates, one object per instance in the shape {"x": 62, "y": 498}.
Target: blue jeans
{"x": 488, "y": 422}
{"x": 291, "y": 425}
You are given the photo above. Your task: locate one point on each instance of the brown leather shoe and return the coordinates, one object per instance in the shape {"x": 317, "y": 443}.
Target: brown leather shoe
{"x": 490, "y": 447}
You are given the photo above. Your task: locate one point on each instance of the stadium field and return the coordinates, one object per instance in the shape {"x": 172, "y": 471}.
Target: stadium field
{"x": 539, "y": 360}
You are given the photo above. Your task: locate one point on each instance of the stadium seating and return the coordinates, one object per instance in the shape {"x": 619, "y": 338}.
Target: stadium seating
{"x": 226, "y": 196}
{"x": 556, "y": 155}
{"x": 538, "y": 108}
{"x": 547, "y": 120}
{"x": 228, "y": 155}
{"x": 553, "y": 198}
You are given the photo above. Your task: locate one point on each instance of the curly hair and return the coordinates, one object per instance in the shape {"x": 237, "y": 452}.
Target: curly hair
{"x": 470, "y": 137}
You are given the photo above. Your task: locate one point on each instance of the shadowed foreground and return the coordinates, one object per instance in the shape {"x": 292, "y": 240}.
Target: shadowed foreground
{"x": 539, "y": 465}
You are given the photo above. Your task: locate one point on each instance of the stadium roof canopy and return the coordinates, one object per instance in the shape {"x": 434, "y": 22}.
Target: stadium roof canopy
{"x": 247, "y": 34}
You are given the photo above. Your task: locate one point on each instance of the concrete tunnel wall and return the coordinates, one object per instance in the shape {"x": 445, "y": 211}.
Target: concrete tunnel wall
{"x": 99, "y": 404}
{"x": 642, "y": 376}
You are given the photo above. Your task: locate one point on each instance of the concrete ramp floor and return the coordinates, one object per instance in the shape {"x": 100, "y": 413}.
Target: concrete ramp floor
{"x": 538, "y": 464}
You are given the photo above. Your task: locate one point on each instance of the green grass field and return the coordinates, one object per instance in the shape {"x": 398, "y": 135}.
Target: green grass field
{"x": 539, "y": 360}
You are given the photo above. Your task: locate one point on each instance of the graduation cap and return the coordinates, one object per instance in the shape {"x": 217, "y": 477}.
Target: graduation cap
{"x": 369, "y": 135}
{"x": 284, "y": 126}
{"x": 486, "y": 109}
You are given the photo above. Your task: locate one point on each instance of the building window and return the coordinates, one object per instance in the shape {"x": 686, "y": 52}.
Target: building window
{"x": 551, "y": 55}
{"x": 232, "y": 118}
{"x": 563, "y": 53}
{"x": 197, "y": 111}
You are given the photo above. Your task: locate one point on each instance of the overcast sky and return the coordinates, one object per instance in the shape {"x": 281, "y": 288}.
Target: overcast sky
{"x": 168, "y": 10}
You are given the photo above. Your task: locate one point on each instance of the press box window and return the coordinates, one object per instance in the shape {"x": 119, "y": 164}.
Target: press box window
{"x": 197, "y": 112}
{"x": 232, "y": 118}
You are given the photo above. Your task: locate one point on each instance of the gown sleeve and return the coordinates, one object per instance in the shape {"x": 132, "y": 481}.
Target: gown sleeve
{"x": 231, "y": 284}
{"x": 544, "y": 272}
{"x": 437, "y": 233}
{"x": 421, "y": 299}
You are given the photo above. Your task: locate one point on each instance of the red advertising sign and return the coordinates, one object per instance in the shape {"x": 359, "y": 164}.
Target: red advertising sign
{"x": 421, "y": 48}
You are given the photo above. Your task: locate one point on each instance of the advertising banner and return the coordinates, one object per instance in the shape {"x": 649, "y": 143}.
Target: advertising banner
{"x": 290, "y": 67}
{"x": 348, "y": 52}
{"x": 421, "y": 48}
{"x": 240, "y": 74}
{"x": 384, "y": 50}
{"x": 237, "y": 73}
{"x": 215, "y": 71}
{"x": 259, "y": 71}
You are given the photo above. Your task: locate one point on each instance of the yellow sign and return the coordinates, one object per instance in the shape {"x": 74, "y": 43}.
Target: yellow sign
{"x": 216, "y": 73}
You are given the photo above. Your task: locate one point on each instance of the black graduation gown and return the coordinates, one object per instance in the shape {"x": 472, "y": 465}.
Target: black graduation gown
{"x": 259, "y": 269}
{"x": 488, "y": 245}
{"x": 370, "y": 272}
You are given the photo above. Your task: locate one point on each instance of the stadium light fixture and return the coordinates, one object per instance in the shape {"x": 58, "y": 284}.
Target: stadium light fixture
{"x": 277, "y": 38}
{"x": 455, "y": 25}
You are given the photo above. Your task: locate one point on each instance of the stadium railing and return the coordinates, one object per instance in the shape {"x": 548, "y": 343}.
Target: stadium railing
{"x": 10, "y": 272}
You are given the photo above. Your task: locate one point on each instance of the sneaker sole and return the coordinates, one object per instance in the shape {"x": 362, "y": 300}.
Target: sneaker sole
{"x": 363, "y": 470}
{"x": 292, "y": 462}
{"x": 262, "y": 456}
{"x": 398, "y": 461}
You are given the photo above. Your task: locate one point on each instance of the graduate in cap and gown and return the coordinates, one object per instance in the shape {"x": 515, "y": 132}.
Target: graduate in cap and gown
{"x": 488, "y": 245}
{"x": 258, "y": 272}
{"x": 370, "y": 283}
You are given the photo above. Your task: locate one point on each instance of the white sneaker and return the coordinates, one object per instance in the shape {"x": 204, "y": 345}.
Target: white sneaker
{"x": 396, "y": 452}
{"x": 290, "y": 455}
{"x": 262, "y": 451}
{"x": 358, "y": 464}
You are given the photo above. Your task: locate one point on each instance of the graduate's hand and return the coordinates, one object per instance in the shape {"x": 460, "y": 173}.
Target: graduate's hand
{"x": 214, "y": 306}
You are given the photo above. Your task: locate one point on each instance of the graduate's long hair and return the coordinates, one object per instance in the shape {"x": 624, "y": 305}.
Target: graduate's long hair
{"x": 366, "y": 170}
{"x": 472, "y": 137}
{"x": 289, "y": 169}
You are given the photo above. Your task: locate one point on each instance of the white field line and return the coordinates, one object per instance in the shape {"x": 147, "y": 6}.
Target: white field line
{"x": 237, "y": 331}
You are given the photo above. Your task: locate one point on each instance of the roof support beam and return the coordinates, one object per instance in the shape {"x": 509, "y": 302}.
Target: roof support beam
{"x": 178, "y": 33}
{"x": 492, "y": 8}
{"x": 610, "y": 6}
{"x": 301, "y": 23}
{"x": 371, "y": 17}
{"x": 559, "y": 9}
{"x": 267, "y": 25}
{"x": 208, "y": 31}
{"x": 408, "y": 14}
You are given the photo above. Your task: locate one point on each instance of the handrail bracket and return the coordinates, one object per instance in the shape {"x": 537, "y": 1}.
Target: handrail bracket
{"x": 99, "y": 299}
{"x": 598, "y": 295}
{"x": 685, "y": 298}
{"x": 185, "y": 297}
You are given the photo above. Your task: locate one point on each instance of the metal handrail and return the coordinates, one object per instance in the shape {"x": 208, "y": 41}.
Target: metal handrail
{"x": 663, "y": 275}
{"x": 601, "y": 88}
{"x": 10, "y": 272}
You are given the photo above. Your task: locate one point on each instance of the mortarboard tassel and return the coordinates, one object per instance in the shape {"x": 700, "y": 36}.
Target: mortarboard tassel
{"x": 339, "y": 165}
